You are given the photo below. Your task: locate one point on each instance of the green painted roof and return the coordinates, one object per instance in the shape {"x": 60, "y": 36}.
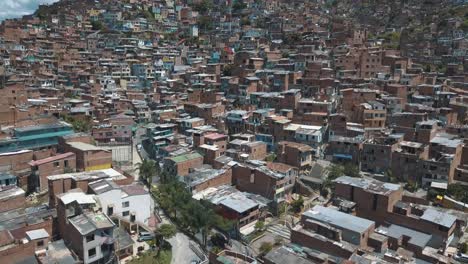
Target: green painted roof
{"x": 185, "y": 157}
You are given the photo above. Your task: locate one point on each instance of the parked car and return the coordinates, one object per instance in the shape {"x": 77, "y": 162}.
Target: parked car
{"x": 145, "y": 236}
{"x": 463, "y": 258}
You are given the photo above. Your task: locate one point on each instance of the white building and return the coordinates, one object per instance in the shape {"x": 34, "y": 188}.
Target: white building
{"x": 130, "y": 202}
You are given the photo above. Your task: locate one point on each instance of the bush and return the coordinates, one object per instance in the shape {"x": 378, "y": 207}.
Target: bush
{"x": 218, "y": 241}
{"x": 458, "y": 192}
{"x": 265, "y": 247}
{"x": 260, "y": 225}
{"x": 278, "y": 241}
{"x": 297, "y": 205}
{"x": 464, "y": 248}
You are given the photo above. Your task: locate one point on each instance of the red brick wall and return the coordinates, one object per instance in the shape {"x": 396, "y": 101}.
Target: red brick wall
{"x": 328, "y": 247}
{"x": 12, "y": 203}
{"x": 16, "y": 254}
{"x": 96, "y": 158}
{"x": 49, "y": 169}
{"x": 20, "y": 233}
{"x": 225, "y": 178}
{"x": 16, "y": 162}
{"x": 184, "y": 167}
{"x": 57, "y": 187}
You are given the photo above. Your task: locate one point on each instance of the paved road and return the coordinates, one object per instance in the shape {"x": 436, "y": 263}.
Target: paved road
{"x": 241, "y": 248}
{"x": 181, "y": 252}
{"x": 137, "y": 156}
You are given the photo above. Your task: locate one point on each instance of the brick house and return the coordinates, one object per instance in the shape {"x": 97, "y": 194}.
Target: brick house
{"x": 257, "y": 177}
{"x": 386, "y": 206}
{"x": 181, "y": 165}
{"x": 89, "y": 157}
{"x": 58, "y": 164}
{"x": 294, "y": 154}
{"x": 202, "y": 179}
{"x": 89, "y": 234}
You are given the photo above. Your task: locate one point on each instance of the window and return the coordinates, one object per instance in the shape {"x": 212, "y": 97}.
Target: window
{"x": 125, "y": 204}
{"x": 125, "y": 213}
{"x": 110, "y": 210}
{"x": 374, "y": 202}
{"x": 92, "y": 252}
{"x": 56, "y": 164}
{"x": 40, "y": 243}
{"x": 89, "y": 238}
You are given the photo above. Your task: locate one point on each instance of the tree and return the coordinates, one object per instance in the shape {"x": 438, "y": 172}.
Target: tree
{"x": 464, "y": 248}
{"x": 238, "y": 5}
{"x": 297, "y": 205}
{"x": 227, "y": 70}
{"x": 278, "y": 241}
{"x": 97, "y": 25}
{"x": 79, "y": 125}
{"x": 201, "y": 219}
{"x": 390, "y": 177}
{"x": 204, "y": 6}
{"x": 205, "y": 23}
{"x": 245, "y": 21}
{"x": 270, "y": 158}
{"x": 147, "y": 170}
{"x": 260, "y": 225}
{"x": 164, "y": 232}
{"x": 458, "y": 192}
{"x": 351, "y": 170}
{"x": 411, "y": 186}
{"x": 335, "y": 171}
{"x": 218, "y": 240}
{"x": 265, "y": 247}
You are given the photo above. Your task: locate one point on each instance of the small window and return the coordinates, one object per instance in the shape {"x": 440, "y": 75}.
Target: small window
{"x": 92, "y": 252}
{"x": 125, "y": 213}
{"x": 125, "y": 204}
{"x": 110, "y": 210}
{"x": 40, "y": 243}
{"x": 89, "y": 238}
{"x": 56, "y": 164}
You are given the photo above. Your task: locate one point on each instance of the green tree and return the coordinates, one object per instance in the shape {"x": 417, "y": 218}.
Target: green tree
{"x": 205, "y": 23}
{"x": 351, "y": 170}
{"x": 335, "y": 171}
{"x": 78, "y": 124}
{"x": 458, "y": 192}
{"x": 97, "y": 25}
{"x": 201, "y": 219}
{"x": 278, "y": 241}
{"x": 265, "y": 247}
{"x": 245, "y": 21}
{"x": 260, "y": 225}
{"x": 238, "y": 6}
{"x": 148, "y": 169}
{"x": 164, "y": 232}
{"x": 464, "y": 248}
{"x": 390, "y": 177}
{"x": 227, "y": 70}
{"x": 271, "y": 157}
{"x": 298, "y": 204}
{"x": 411, "y": 186}
{"x": 204, "y": 6}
